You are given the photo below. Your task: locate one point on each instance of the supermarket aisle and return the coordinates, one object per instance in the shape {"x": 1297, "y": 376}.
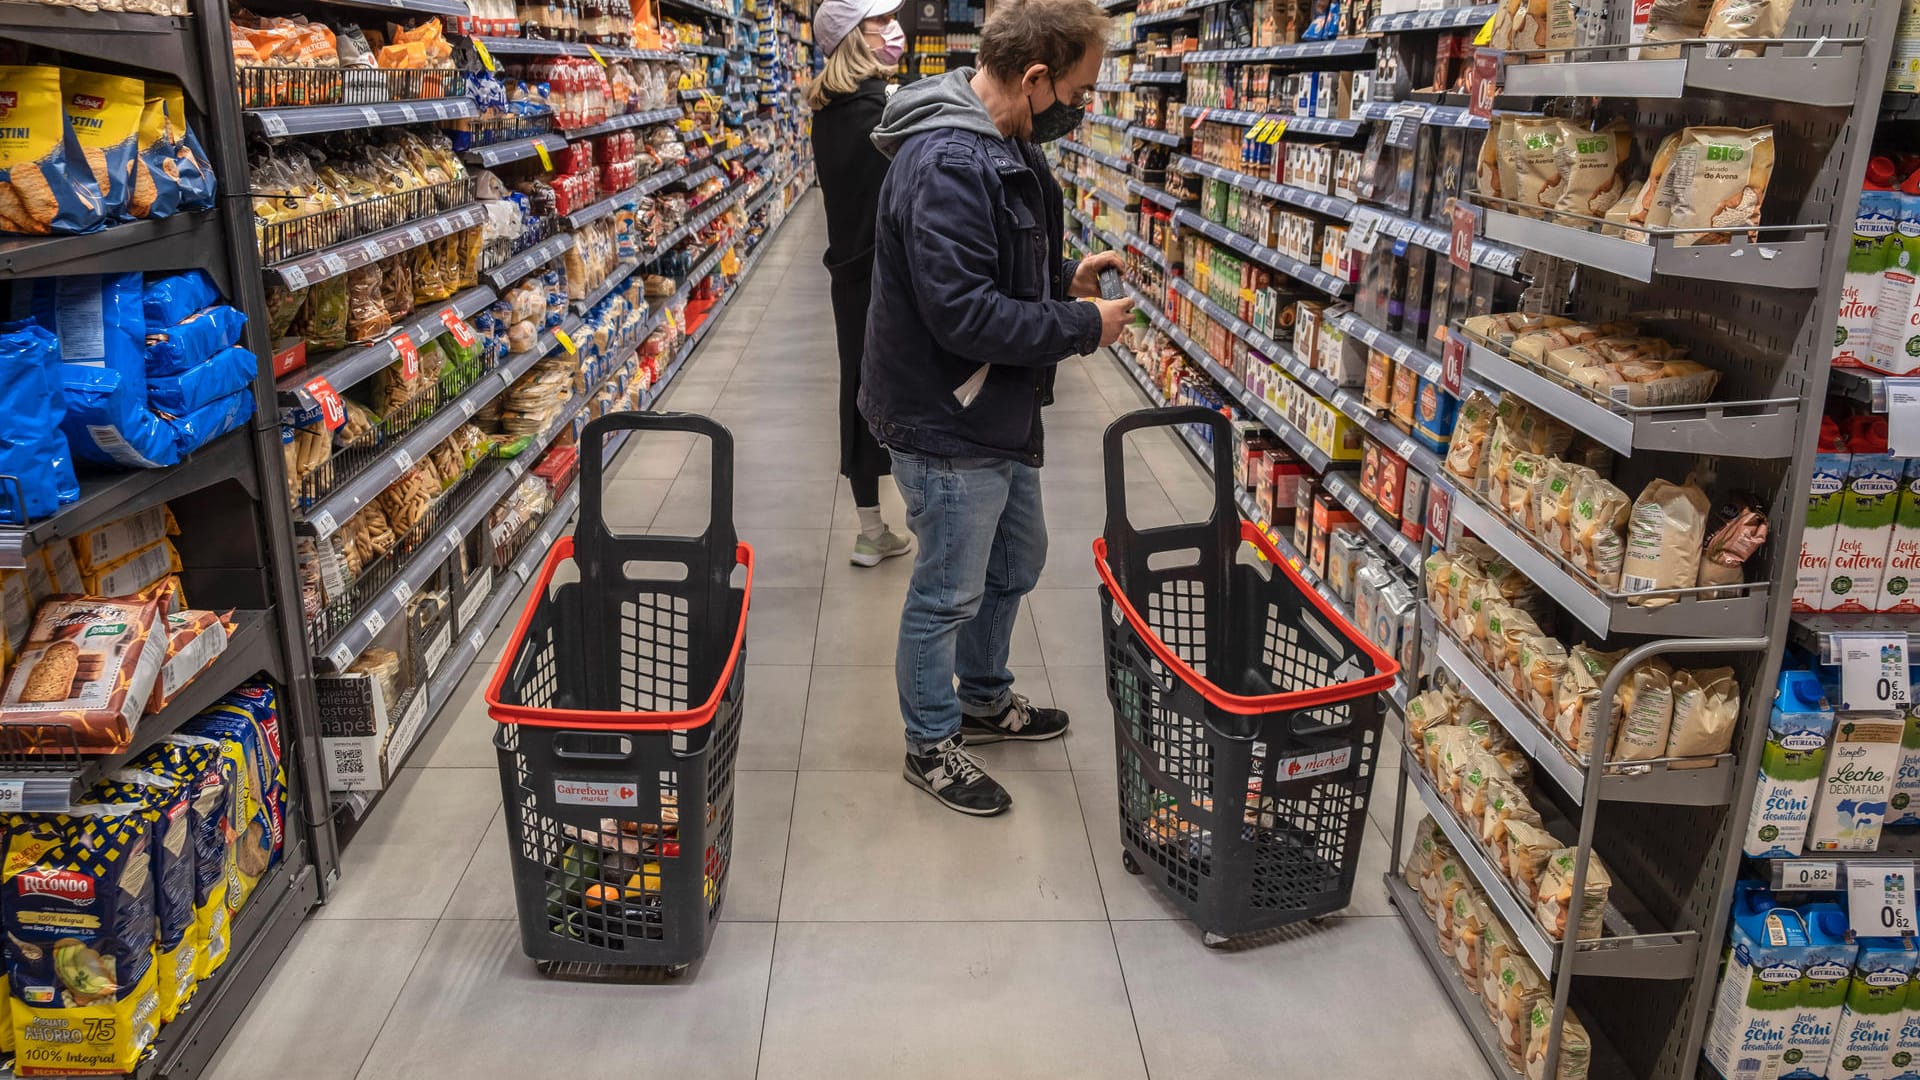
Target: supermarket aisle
{"x": 869, "y": 932}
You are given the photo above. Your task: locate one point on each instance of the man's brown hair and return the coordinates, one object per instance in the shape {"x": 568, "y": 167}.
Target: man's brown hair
{"x": 1057, "y": 33}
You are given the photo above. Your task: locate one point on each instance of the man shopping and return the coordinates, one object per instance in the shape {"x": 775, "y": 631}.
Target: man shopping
{"x": 973, "y": 306}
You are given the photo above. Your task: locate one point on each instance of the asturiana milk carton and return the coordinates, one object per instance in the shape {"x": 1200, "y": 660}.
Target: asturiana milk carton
{"x": 1824, "y": 489}
{"x": 1865, "y": 529}
{"x": 1903, "y": 808}
{"x": 1791, "y": 763}
{"x": 1857, "y": 783}
{"x": 1875, "y": 1011}
{"x": 1875, "y": 221}
{"x": 1825, "y": 974}
{"x": 1759, "y": 987}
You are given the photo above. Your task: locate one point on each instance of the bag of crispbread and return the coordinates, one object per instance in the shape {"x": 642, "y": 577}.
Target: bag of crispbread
{"x": 197, "y": 187}
{"x": 156, "y": 172}
{"x": 1576, "y": 1049}
{"x": 45, "y": 185}
{"x": 1665, "y": 531}
{"x": 1537, "y": 142}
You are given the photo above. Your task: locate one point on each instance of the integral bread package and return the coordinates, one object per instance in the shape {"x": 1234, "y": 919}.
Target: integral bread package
{"x": 89, "y": 665}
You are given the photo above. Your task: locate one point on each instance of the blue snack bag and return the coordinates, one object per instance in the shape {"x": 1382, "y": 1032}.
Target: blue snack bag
{"x": 167, "y": 803}
{"x": 173, "y": 297}
{"x": 156, "y": 183}
{"x": 228, "y": 371}
{"x": 103, "y": 430}
{"x": 172, "y": 350}
{"x": 104, "y": 111}
{"x": 207, "y": 423}
{"x": 32, "y": 450}
{"x": 197, "y": 188}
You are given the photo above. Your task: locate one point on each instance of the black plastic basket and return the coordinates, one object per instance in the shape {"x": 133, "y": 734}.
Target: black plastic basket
{"x": 619, "y": 701}
{"x": 1246, "y": 711}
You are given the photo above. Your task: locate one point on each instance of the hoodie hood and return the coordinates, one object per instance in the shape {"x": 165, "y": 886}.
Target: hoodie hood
{"x": 945, "y": 101}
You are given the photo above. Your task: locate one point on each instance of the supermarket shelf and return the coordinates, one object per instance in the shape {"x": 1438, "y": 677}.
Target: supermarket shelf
{"x": 508, "y": 273}
{"x": 704, "y": 50}
{"x": 1435, "y": 115}
{"x": 601, "y": 207}
{"x": 658, "y": 180}
{"x": 106, "y": 497}
{"x": 700, "y": 176}
{"x": 1116, "y": 122}
{"x": 626, "y": 120}
{"x": 1898, "y": 844}
{"x": 314, "y": 119}
{"x": 1180, "y": 14}
{"x": 1496, "y": 257}
{"x": 507, "y": 46}
{"x": 1788, "y": 73}
{"x": 326, "y": 515}
{"x": 1106, "y": 196}
{"x": 708, "y": 210}
{"x": 1676, "y": 782}
{"x": 501, "y": 153}
{"x": 1091, "y": 154}
{"x": 1869, "y": 388}
{"x": 1687, "y": 615}
{"x": 1624, "y": 952}
{"x": 54, "y": 784}
{"x": 1138, "y": 243}
{"x": 352, "y": 254}
{"x": 1299, "y": 125}
{"x": 350, "y": 366}
{"x": 615, "y": 279}
{"x": 1159, "y": 77}
{"x": 1747, "y": 429}
{"x": 1266, "y": 256}
{"x": 1155, "y": 195}
{"x": 1155, "y": 135}
{"x": 1114, "y": 87}
{"x": 1815, "y": 632}
{"x": 1441, "y": 19}
{"x": 1287, "y": 193}
{"x": 706, "y": 9}
{"x": 161, "y": 43}
{"x": 1305, "y": 50}
{"x": 1404, "y": 352}
{"x": 165, "y": 243}
{"x": 1780, "y": 264}
{"x": 1385, "y": 533}
{"x": 1466, "y": 1002}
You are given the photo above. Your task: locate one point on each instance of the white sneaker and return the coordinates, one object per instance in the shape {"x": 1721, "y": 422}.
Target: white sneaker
{"x": 870, "y": 551}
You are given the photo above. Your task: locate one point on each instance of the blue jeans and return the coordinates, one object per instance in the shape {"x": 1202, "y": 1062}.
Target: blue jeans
{"x": 982, "y": 541}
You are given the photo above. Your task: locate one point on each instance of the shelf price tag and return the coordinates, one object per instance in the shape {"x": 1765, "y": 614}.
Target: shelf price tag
{"x": 13, "y": 796}
{"x": 1873, "y": 671}
{"x": 333, "y": 412}
{"x": 1365, "y": 232}
{"x": 1460, "y": 247}
{"x": 1806, "y": 875}
{"x": 566, "y": 341}
{"x": 595, "y": 53}
{"x": 1880, "y": 898}
{"x": 1903, "y": 417}
{"x": 408, "y": 354}
{"x": 1483, "y": 79}
{"x": 1453, "y": 365}
{"x": 546, "y": 159}
{"x": 458, "y": 327}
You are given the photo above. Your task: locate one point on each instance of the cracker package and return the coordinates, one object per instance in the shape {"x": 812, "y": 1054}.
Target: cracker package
{"x": 156, "y": 174}
{"x": 195, "y": 168}
{"x": 1528, "y": 847}
{"x": 104, "y": 545}
{"x": 226, "y": 372}
{"x": 1718, "y": 179}
{"x": 1599, "y": 516}
{"x": 247, "y": 725}
{"x": 166, "y": 802}
{"x": 133, "y": 573}
{"x": 195, "y": 639}
{"x": 210, "y": 779}
{"x": 102, "y": 327}
{"x": 173, "y": 350}
{"x": 1665, "y": 531}
{"x": 79, "y": 918}
{"x": 45, "y": 185}
{"x": 88, "y": 667}
{"x": 104, "y": 111}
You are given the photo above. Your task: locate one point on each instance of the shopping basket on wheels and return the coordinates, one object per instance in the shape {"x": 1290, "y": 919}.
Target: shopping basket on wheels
{"x": 619, "y": 701}
{"x": 1246, "y": 715}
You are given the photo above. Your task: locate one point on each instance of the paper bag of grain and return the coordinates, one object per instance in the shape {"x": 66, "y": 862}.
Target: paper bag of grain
{"x": 1664, "y": 534}
{"x": 1646, "y": 705}
{"x": 1528, "y": 847}
{"x": 1706, "y": 706}
{"x": 1598, "y": 517}
{"x": 1576, "y": 1049}
{"x": 1746, "y": 19}
{"x": 1537, "y": 142}
{"x": 1672, "y": 20}
{"x": 1555, "y": 901}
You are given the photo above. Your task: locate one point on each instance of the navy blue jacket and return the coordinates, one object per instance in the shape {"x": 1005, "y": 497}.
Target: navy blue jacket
{"x": 969, "y": 312}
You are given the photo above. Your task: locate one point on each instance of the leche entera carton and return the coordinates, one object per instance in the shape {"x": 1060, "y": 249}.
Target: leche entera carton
{"x": 1875, "y": 1010}
{"x": 1759, "y": 991}
{"x": 1857, "y": 783}
{"x": 1900, "y": 582}
{"x": 1824, "y": 487}
{"x": 1864, "y": 531}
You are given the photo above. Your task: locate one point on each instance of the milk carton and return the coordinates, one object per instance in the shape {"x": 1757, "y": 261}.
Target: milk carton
{"x": 1903, "y": 808}
{"x": 1875, "y": 221}
{"x": 1896, "y": 318}
{"x": 1875, "y": 1011}
{"x": 1857, "y": 783}
{"x": 1906, "y": 1041}
{"x": 1866, "y": 526}
{"x": 1824, "y": 488}
{"x": 1759, "y": 988}
{"x": 1900, "y": 582}
{"x": 1826, "y": 972}
{"x": 1790, "y": 767}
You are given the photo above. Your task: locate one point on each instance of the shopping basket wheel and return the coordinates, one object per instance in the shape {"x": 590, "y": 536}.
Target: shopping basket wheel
{"x": 1212, "y": 940}
{"x": 1132, "y": 864}
{"x": 544, "y": 967}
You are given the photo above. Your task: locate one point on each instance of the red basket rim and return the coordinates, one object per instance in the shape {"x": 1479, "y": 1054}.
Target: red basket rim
{"x": 683, "y": 720}
{"x": 1386, "y": 667}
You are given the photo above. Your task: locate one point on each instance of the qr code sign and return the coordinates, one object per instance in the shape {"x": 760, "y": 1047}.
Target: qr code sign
{"x": 351, "y": 761}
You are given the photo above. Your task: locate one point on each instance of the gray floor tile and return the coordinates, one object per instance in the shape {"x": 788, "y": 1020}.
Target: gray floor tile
{"x": 892, "y": 510}
{"x": 786, "y": 558}
{"x": 1041, "y": 1000}
{"x": 408, "y": 857}
{"x": 917, "y": 860}
{"x": 347, "y": 971}
{"x": 1069, "y": 556}
{"x": 1360, "y": 1004}
{"x": 853, "y": 722}
{"x": 1127, "y": 896}
{"x": 762, "y": 810}
{"x": 860, "y": 624}
{"x": 462, "y": 735}
{"x": 475, "y": 1006}
{"x": 775, "y": 713}
{"x": 1082, "y": 691}
{"x": 486, "y": 889}
{"x": 780, "y": 625}
{"x": 1068, "y": 621}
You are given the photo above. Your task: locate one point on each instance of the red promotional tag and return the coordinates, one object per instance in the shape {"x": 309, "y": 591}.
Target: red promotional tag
{"x": 1460, "y": 250}
{"x": 1483, "y": 82}
{"x": 458, "y": 327}
{"x": 1453, "y": 364}
{"x": 332, "y": 411}
{"x": 1439, "y": 510}
{"x": 409, "y": 356}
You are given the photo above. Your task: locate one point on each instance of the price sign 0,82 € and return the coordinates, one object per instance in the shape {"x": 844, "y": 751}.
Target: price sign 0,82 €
{"x": 1880, "y": 898}
{"x": 1873, "y": 671}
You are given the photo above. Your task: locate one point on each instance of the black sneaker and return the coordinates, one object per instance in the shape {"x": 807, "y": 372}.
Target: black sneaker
{"x": 950, "y": 774}
{"x": 1021, "y": 719}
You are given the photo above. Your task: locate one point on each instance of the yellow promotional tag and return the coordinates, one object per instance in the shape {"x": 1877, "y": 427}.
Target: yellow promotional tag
{"x": 1485, "y": 36}
{"x": 1279, "y": 130}
{"x": 566, "y": 342}
{"x": 1258, "y": 132}
{"x": 595, "y": 53}
{"x": 486, "y": 58}
{"x": 546, "y": 159}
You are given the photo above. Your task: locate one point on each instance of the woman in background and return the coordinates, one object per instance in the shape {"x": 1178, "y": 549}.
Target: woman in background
{"x": 863, "y": 44}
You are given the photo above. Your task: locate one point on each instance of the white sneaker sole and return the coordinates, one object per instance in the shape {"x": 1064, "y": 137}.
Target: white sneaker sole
{"x": 921, "y": 782}
{"x": 859, "y": 559}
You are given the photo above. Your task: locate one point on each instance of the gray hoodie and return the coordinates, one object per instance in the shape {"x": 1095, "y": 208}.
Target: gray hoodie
{"x": 944, "y": 101}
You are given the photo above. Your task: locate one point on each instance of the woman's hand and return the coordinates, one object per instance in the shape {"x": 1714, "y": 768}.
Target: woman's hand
{"x": 1086, "y": 280}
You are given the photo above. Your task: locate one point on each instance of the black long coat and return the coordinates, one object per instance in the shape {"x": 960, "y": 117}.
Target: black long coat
{"x": 850, "y": 171}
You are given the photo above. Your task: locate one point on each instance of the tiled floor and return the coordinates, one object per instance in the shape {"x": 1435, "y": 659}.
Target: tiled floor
{"x": 869, "y": 932}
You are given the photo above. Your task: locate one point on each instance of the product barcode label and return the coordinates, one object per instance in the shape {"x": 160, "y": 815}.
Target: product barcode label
{"x": 335, "y": 264}
{"x": 371, "y": 117}
{"x": 467, "y": 406}
{"x": 1371, "y": 520}
{"x": 416, "y": 237}
{"x": 294, "y": 276}
{"x": 402, "y": 460}
{"x": 1406, "y": 448}
{"x": 452, "y": 538}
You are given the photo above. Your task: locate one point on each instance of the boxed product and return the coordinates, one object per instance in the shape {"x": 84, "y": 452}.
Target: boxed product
{"x": 1825, "y": 489}
{"x": 1863, "y": 532}
{"x": 88, "y": 666}
{"x": 100, "y": 547}
{"x": 1759, "y": 993}
{"x": 1875, "y": 1009}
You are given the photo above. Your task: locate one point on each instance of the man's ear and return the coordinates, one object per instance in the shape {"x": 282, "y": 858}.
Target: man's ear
{"x": 1031, "y": 79}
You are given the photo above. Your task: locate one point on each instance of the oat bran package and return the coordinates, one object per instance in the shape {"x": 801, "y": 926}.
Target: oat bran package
{"x": 1718, "y": 179}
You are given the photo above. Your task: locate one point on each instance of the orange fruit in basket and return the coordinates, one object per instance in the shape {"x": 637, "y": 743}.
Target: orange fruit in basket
{"x": 597, "y": 895}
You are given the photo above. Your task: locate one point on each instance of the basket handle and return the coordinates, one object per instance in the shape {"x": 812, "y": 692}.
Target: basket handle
{"x": 1123, "y": 540}
{"x": 595, "y": 542}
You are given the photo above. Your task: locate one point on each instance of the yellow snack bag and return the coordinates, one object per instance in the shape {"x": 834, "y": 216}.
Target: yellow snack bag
{"x": 45, "y": 186}
{"x": 105, "y": 113}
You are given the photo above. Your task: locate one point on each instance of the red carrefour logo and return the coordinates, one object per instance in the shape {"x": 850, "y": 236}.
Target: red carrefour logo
{"x": 65, "y": 884}
{"x": 626, "y": 793}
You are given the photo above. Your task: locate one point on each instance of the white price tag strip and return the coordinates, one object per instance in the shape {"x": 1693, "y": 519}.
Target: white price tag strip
{"x": 374, "y": 622}
{"x": 402, "y": 592}
{"x": 1808, "y": 875}
{"x": 13, "y": 796}
{"x": 274, "y": 123}
{"x": 340, "y": 657}
{"x": 324, "y": 525}
{"x": 1903, "y": 417}
{"x": 1873, "y": 671}
{"x": 1880, "y": 898}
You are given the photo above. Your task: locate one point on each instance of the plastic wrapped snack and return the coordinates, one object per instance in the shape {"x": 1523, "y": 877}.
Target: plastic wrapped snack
{"x": 45, "y": 184}
{"x": 1718, "y": 179}
{"x": 367, "y": 316}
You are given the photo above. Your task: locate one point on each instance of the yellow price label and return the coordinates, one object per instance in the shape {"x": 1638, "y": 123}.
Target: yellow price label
{"x": 486, "y": 58}
{"x": 1276, "y": 132}
{"x": 595, "y": 53}
{"x": 1259, "y": 130}
{"x": 546, "y": 159}
{"x": 566, "y": 342}
{"x": 1485, "y": 35}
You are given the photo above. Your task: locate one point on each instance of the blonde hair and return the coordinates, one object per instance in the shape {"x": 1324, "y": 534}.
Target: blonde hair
{"x": 851, "y": 64}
